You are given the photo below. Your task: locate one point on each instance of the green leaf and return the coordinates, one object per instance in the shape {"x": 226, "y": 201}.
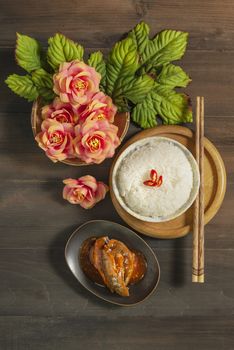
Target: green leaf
{"x": 96, "y": 61}
{"x": 42, "y": 78}
{"x": 122, "y": 104}
{"x": 44, "y": 83}
{"x": 61, "y": 49}
{"x": 138, "y": 88}
{"x": 44, "y": 63}
{"x": 22, "y": 86}
{"x": 167, "y": 46}
{"x": 141, "y": 36}
{"x": 144, "y": 113}
{"x": 122, "y": 62}
{"x": 47, "y": 94}
{"x": 27, "y": 53}
{"x": 173, "y": 107}
{"x": 173, "y": 76}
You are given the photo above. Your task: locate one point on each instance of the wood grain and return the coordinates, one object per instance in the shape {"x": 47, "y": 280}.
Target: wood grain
{"x": 41, "y": 304}
{"x": 58, "y": 333}
{"x": 210, "y": 23}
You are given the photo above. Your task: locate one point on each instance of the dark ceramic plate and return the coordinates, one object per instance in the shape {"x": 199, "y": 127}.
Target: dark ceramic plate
{"x": 98, "y": 228}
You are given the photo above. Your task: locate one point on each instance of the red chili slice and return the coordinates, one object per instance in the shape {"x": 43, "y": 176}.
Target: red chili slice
{"x": 149, "y": 183}
{"x": 155, "y": 181}
{"x": 154, "y": 175}
{"x": 160, "y": 181}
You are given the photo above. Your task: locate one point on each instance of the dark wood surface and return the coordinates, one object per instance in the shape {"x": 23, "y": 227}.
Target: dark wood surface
{"x": 41, "y": 305}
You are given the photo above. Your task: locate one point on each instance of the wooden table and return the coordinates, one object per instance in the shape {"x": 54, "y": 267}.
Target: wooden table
{"x": 42, "y": 306}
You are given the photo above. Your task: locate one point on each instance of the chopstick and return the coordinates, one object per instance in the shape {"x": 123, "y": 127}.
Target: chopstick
{"x": 198, "y": 222}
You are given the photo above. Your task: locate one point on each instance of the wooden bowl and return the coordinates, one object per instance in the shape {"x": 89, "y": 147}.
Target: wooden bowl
{"x": 97, "y": 228}
{"x": 122, "y": 121}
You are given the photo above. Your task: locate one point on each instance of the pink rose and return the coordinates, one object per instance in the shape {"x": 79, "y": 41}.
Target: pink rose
{"x": 100, "y": 107}
{"x": 95, "y": 140}
{"x": 60, "y": 111}
{"x": 86, "y": 191}
{"x": 76, "y": 82}
{"x": 56, "y": 139}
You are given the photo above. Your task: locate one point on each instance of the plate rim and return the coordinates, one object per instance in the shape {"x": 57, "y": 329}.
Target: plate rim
{"x": 148, "y": 246}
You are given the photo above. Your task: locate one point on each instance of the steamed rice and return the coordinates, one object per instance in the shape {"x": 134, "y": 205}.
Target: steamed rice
{"x": 168, "y": 160}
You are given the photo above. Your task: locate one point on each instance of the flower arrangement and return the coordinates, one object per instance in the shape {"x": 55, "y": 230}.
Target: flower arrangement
{"x": 81, "y": 97}
{"x": 78, "y": 123}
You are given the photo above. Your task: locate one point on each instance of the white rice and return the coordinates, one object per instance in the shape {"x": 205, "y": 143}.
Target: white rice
{"x": 168, "y": 160}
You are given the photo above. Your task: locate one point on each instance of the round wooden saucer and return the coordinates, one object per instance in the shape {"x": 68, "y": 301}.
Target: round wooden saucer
{"x": 215, "y": 185}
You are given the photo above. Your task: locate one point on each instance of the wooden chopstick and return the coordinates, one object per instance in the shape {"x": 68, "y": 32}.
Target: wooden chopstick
{"x": 201, "y": 198}
{"x": 196, "y": 204}
{"x": 198, "y": 223}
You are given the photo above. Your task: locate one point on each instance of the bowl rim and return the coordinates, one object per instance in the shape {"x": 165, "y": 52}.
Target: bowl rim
{"x": 193, "y": 193}
{"x": 140, "y": 238}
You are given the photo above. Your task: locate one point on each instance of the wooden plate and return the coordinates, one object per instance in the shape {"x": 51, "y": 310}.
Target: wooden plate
{"x": 122, "y": 121}
{"x": 215, "y": 185}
